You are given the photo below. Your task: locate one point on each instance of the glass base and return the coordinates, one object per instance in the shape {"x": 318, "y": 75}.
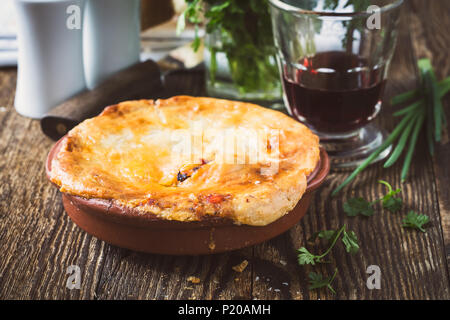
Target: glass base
{"x": 349, "y": 150}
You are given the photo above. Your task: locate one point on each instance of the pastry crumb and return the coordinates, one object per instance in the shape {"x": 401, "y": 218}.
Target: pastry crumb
{"x": 193, "y": 279}
{"x": 241, "y": 267}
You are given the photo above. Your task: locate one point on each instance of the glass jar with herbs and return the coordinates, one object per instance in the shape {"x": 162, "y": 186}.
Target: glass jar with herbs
{"x": 239, "y": 50}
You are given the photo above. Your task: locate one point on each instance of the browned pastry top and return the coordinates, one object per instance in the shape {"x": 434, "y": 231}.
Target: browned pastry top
{"x": 186, "y": 158}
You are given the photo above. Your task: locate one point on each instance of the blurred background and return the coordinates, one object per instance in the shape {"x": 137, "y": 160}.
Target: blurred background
{"x": 158, "y": 32}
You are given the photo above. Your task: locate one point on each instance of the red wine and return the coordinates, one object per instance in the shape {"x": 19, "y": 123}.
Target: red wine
{"x": 334, "y": 92}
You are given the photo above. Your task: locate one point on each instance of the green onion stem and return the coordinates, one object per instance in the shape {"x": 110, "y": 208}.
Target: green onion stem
{"x": 429, "y": 124}
{"x": 412, "y": 144}
{"x": 432, "y": 93}
{"x": 408, "y": 109}
{"x": 391, "y": 138}
{"x": 403, "y": 97}
{"x": 444, "y": 86}
{"x": 401, "y": 143}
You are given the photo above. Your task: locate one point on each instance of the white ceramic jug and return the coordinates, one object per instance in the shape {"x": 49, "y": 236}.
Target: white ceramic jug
{"x": 111, "y": 38}
{"x": 50, "y": 62}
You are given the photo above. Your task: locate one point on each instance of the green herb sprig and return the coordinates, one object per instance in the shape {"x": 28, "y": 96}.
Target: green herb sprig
{"x": 360, "y": 206}
{"x": 415, "y": 221}
{"x": 317, "y": 281}
{"x": 356, "y": 206}
{"x": 348, "y": 238}
{"x": 245, "y": 28}
{"x": 390, "y": 202}
{"x": 426, "y": 113}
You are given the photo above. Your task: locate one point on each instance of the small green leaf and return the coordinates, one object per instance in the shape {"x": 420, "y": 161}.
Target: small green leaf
{"x": 389, "y": 202}
{"x": 317, "y": 281}
{"x": 306, "y": 257}
{"x": 315, "y": 277}
{"x": 351, "y": 243}
{"x": 355, "y": 206}
{"x": 219, "y": 7}
{"x": 325, "y": 234}
{"x": 393, "y": 204}
{"x": 415, "y": 221}
{"x": 350, "y": 240}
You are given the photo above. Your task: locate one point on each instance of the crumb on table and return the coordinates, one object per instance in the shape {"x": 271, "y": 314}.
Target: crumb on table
{"x": 241, "y": 267}
{"x": 193, "y": 279}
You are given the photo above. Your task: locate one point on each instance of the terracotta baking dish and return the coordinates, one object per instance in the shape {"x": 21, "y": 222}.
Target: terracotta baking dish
{"x": 127, "y": 229}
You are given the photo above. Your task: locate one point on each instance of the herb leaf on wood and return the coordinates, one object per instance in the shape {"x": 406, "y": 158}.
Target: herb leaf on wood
{"x": 317, "y": 281}
{"x": 415, "y": 221}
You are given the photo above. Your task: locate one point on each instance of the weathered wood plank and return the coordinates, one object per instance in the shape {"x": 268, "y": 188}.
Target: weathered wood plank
{"x": 431, "y": 39}
{"x": 37, "y": 239}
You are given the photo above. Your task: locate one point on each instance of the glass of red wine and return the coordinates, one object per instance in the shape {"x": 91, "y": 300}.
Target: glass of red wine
{"x": 334, "y": 57}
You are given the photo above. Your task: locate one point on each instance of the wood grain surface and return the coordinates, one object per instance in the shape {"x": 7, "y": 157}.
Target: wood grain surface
{"x": 38, "y": 241}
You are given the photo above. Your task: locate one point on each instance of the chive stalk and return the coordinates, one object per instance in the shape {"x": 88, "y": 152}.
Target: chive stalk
{"x": 432, "y": 94}
{"x": 412, "y": 145}
{"x": 401, "y": 143}
{"x": 390, "y": 139}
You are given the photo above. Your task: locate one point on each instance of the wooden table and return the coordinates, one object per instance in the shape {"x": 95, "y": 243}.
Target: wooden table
{"x": 38, "y": 241}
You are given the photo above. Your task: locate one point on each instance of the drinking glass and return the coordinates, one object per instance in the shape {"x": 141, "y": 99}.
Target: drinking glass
{"x": 334, "y": 57}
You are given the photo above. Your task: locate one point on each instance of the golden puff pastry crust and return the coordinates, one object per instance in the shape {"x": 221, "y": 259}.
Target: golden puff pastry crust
{"x": 189, "y": 159}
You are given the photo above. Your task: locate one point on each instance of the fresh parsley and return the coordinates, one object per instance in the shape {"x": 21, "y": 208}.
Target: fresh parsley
{"x": 325, "y": 234}
{"x": 393, "y": 204}
{"x": 306, "y": 257}
{"x": 349, "y": 240}
{"x": 245, "y": 28}
{"x": 317, "y": 281}
{"x": 415, "y": 221}
{"x": 356, "y": 206}
{"x": 194, "y": 14}
{"x": 389, "y": 201}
